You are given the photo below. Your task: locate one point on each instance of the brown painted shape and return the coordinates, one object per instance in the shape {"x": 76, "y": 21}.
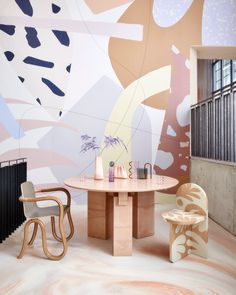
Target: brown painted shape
{"x": 104, "y": 5}
{"x": 133, "y": 59}
{"x": 158, "y": 101}
{"x": 172, "y": 144}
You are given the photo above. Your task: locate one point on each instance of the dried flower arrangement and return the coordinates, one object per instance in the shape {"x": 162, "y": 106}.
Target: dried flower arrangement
{"x": 89, "y": 143}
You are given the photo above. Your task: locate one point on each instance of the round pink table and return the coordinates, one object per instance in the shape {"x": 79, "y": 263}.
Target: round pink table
{"x": 121, "y": 209}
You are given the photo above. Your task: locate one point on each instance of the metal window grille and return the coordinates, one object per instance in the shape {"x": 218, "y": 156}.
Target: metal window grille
{"x": 213, "y": 126}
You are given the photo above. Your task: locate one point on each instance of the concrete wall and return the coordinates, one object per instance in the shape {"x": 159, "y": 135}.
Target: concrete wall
{"x": 218, "y": 179}
{"x": 204, "y": 79}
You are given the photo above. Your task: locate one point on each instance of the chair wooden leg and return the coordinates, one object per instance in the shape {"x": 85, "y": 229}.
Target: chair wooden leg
{"x": 180, "y": 241}
{"x": 34, "y": 234}
{"x": 54, "y": 232}
{"x": 44, "y": 241}
{"x": 72, "y": 230}
{"x": 25, "y": 239}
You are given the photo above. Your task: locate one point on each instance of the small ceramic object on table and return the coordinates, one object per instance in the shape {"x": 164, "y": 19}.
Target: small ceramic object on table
{"x": 111, "y": 171}
{"x": 142, "y": 173}
{"x": 98, "y": 169}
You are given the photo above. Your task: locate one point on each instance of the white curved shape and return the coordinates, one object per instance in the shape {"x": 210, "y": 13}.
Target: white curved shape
{"x": 164, "y": 159}
{"x": 166, "y": 13}
{"x": 183, "y": 112}
{"x": 156, "y": 119}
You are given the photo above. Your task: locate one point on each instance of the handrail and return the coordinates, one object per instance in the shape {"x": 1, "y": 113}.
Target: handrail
{"x": 216, "y": 94}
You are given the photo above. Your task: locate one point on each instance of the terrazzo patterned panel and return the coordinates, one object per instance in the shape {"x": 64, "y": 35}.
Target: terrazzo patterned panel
{"x": 89, "y": 269}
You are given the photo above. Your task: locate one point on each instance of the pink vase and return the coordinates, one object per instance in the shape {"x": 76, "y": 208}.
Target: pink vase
{"x": 98, "y": 168}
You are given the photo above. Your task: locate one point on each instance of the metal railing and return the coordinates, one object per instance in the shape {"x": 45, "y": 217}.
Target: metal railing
{"x": 213, "y": 126}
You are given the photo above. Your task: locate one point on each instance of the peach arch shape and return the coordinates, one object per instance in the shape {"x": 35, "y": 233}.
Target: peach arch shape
{"x": 119, "y": 124}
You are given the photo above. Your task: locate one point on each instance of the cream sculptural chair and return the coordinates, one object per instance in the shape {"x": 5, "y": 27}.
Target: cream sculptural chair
{"x": 188, "y": 223}
{"x": 33, "y": 213}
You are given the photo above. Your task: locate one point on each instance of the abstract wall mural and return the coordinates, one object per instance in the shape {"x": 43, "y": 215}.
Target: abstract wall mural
{"x": 101, "y": 68}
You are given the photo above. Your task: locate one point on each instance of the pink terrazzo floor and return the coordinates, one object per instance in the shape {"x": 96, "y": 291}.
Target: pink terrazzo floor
{"x": 89, "y": 267}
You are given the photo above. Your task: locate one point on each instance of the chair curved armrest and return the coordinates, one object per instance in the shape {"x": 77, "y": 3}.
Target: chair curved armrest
{"x": 55, "y": 189}
{"x": 45, "y": 198}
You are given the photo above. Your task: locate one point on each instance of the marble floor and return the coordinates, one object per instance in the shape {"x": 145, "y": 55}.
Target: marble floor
{"x": 89, "y": 268}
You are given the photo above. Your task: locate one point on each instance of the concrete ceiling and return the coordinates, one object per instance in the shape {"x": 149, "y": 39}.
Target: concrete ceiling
{"x": 215, "y": 52}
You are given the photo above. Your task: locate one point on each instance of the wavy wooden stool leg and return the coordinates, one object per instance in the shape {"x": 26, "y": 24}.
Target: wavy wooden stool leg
{"x": 54, "y": 232}
{"x": 25, "y": 240}
{"x": 33, "y": 234}
{"x": 44, "y": 241}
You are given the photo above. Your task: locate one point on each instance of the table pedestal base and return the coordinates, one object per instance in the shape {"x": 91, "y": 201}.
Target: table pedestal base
{"x": 111, "y": 214}
{"x": 122, "y": 225}
{"x": 97, "y": 215}
{"x": 143, "y": 215}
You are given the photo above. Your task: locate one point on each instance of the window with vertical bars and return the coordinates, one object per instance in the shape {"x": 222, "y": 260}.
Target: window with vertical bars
{"x": 213, "y": 121}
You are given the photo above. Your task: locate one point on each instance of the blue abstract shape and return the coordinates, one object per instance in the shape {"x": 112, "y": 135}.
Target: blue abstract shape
{"x": 21, "y": 78}
{"x": 25, "y": 7}
{"x": 62, "y": 37}
{"x": 53, "y": 87}
{"x": 9, "y": 55}
{"x": 38, "y": 100}
{"x": 171, "y": 131}
{"x": 38, "y": 62}
{"x": 8, "y": 121}
{"x": 55, "y": 8}
{"x": 8, "y": 29}
{"x": 68, "y": 68}
{"x": 32, "y": 37}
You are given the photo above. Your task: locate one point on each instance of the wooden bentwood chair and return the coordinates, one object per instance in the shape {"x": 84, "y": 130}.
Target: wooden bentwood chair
{"x": 188, "y": 223}
{"x": 33, "y": 213}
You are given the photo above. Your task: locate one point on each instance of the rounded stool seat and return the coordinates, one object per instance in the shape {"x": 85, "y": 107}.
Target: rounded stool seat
{"x": 182, "y": 217}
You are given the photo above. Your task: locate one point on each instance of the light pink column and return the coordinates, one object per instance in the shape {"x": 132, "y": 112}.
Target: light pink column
{"x": 122, "y": 225}
{"x": 143, "y": 214}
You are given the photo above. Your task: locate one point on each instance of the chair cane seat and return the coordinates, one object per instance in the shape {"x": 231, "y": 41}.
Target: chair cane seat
{"x": 182, "y": 217}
